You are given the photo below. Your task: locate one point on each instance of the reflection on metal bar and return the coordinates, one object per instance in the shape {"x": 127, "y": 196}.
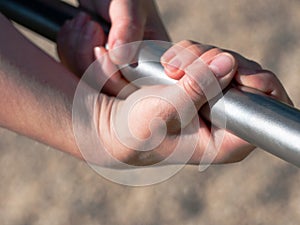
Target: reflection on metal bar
{"x": 45, "y": 17}
{"x": 260, "y": 120}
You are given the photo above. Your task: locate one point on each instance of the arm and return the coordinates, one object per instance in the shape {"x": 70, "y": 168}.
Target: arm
{"x": 36, "y": 92}
{"x": 37, "y": 97}
{"x": 37, "y": 101}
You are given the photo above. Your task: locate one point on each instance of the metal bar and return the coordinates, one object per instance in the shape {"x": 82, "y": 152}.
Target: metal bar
{"x": 44, "y": 17}
{"x": 262, "y": 121}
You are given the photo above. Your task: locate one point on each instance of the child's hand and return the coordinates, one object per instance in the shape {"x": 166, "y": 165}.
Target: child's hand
{"x": 249, "y": 73}
{"x": 155, "y": 121}
{"x": 131, "y": 20}
{"x": 79, "y": 43}
{"x": 178, "y": 61}
{"x": 76, "y": 41}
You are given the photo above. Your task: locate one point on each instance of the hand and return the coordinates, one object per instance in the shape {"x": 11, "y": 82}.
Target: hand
{"x": 199, "y": 69}
{"x": 248, "y": 74}
{"x": 53, "y": 107}
{"x": 132, "y": 20}
{"x": 76, "y": 41}
{"x": 79, "y": 44}
{"x": 157, "y": 118}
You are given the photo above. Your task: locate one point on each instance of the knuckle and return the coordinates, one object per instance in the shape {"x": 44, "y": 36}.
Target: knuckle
{"x": 185, "y": 43}
{"x": 130, "y": 24}
{"x": 197, "y": 50}
{"x": 215, "y": 50}
{"x": 192, "y": 88}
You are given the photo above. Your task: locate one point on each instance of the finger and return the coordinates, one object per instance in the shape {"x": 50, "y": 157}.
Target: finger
{"x": 62, "y": 42}
{"x": 91, "y": 36}
{"x": 128, "y": 20}
{"x": 80, "y": 20}
{"x": 263, "y": 81}
{"x": 202, "y": 82}
{"x": 178, "y": 57}
{"x": 244, "y": 62}
{"x": 174, "y": 50}
{"x": 67, "y": 41}
{"x": 176, "y": 106}
{"x": 109, "y": 77}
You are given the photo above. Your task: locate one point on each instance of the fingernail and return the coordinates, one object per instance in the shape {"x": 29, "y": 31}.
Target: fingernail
{"x": 222, "y": 65}
{"x": 99, "y": 52}
{"x": 167, "y": 56}
{"x": 174, "y": 65}
{"x": 89, "y": 29}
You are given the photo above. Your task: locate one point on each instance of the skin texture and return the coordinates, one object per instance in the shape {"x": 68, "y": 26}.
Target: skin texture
{"x": 37, "y": 97}
{"x": 36, "y": 92}
{"x": 131, "y": 20}
{"x": 248, "y": 74}
{"x": 181, "y": 62}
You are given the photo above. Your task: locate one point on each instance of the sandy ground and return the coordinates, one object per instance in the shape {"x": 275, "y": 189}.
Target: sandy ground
{"x": 40, "y": 185}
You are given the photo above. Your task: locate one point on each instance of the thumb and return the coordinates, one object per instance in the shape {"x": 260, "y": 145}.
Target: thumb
{"x": 128, "y": 21}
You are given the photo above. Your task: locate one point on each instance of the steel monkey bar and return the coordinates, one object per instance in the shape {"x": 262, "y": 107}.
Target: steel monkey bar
{"x": 260, "y": 120}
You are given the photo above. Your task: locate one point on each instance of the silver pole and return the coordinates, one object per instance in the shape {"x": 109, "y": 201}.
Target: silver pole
{"x": 44, "y": 17}
{"x": 262, "y": 121}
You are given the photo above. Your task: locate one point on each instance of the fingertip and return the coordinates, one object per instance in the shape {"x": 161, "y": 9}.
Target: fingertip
{"x": 92, "y": 35}
{"x": 174, "y": 66}
{"x": 99, "y": 52}
{"x": 118, "y": 52}
{"x": 167, "y": 56}
{"x": 222, "y": 65}
{"x": 124, "y": 40}
{"x": 175, "y": 75}
{"x": 100, "y": 36}
{"x": 173, "y": 72}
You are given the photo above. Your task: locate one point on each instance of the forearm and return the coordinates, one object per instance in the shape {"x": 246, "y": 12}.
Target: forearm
{"x": 36, "y": 92}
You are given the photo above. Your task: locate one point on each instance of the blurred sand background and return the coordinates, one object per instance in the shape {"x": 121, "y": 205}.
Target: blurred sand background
{"x": 40, "y": 185}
